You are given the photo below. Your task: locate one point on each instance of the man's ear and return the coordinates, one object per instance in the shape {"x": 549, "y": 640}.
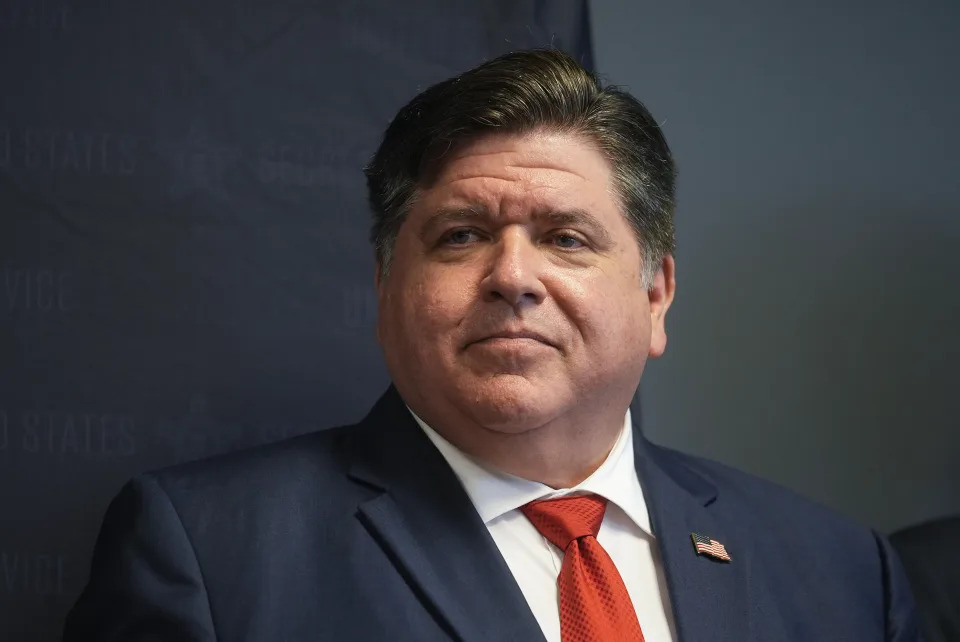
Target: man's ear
{"x": 660, "y": 295}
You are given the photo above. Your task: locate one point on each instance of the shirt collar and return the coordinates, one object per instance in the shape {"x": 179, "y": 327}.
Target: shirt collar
{"x": 495, "y": 493}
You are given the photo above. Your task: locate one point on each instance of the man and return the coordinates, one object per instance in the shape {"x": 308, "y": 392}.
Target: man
{"x": 929, "y": 554}
{"x": 524, "y": 238}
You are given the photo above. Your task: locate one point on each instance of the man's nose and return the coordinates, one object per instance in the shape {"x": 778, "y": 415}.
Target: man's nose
{"x": 515, "y": 271}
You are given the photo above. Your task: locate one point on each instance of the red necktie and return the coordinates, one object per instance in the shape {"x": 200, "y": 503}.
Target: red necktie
{"x": 594, "y": 603}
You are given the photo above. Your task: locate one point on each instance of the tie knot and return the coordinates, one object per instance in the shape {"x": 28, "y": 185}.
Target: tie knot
{"x": 566, "y": 519}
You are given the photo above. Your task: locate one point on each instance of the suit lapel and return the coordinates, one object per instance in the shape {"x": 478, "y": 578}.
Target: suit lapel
{"x": 709, "y": 597}
{"x": 427, "y": 525}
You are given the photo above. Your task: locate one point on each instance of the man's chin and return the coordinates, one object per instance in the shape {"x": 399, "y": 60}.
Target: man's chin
{"x": 511, "y": 403}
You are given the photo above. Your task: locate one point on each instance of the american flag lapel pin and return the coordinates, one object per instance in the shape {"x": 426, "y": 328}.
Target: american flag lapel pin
{"x": 709, "y": 546}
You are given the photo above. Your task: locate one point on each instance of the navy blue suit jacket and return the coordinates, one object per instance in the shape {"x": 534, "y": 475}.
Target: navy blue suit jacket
{"x": 364, "y": 533}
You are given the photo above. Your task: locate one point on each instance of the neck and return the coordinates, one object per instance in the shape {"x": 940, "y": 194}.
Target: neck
{"x": 559, "y": 453}
{"x": 554, "y": 461}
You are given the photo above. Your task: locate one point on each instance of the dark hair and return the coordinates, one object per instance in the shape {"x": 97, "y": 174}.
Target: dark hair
{"x": 517, "y": 93}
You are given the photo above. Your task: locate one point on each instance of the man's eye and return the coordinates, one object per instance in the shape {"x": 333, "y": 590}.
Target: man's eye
{"x": 567, "y": 242}
{"x": 460, "y": 237}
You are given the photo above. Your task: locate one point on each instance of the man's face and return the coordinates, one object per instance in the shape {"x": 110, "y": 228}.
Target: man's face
{"x": 515, "y": 291}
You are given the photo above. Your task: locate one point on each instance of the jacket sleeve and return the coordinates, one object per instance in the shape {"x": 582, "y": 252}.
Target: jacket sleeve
{"x": 145, "y": 580}
{"x": 902, "y": 623}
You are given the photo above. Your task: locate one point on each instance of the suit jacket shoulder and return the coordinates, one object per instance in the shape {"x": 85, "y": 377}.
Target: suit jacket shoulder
{"x": 276, "y": 471}
{"x": 767, "y": 504}
{"x": 359, "y": 532}
{"x": 812, "y": 559}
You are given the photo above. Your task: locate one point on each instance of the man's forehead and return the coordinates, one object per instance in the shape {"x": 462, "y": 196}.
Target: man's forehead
{"x": 547, "y": 155}
{"x": 463, "y": 202}
{"x": 492, "y": 193}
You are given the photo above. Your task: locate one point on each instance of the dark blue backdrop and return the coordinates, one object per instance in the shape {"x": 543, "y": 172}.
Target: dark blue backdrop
{"x": 183, "y": 236}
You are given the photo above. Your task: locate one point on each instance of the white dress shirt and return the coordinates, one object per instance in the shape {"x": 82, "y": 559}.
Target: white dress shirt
{"x": 535, "y": 562}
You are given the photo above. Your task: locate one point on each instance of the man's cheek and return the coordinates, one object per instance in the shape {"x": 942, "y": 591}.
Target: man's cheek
{"x": 443, "y": 306}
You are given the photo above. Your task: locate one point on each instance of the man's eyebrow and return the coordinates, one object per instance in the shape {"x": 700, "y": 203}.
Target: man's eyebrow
{"x": 576, "y": 218}
{"x": 452, "y": 215}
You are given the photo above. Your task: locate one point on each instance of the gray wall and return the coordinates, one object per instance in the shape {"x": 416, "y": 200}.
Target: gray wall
{"x": 814, "y": 334}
